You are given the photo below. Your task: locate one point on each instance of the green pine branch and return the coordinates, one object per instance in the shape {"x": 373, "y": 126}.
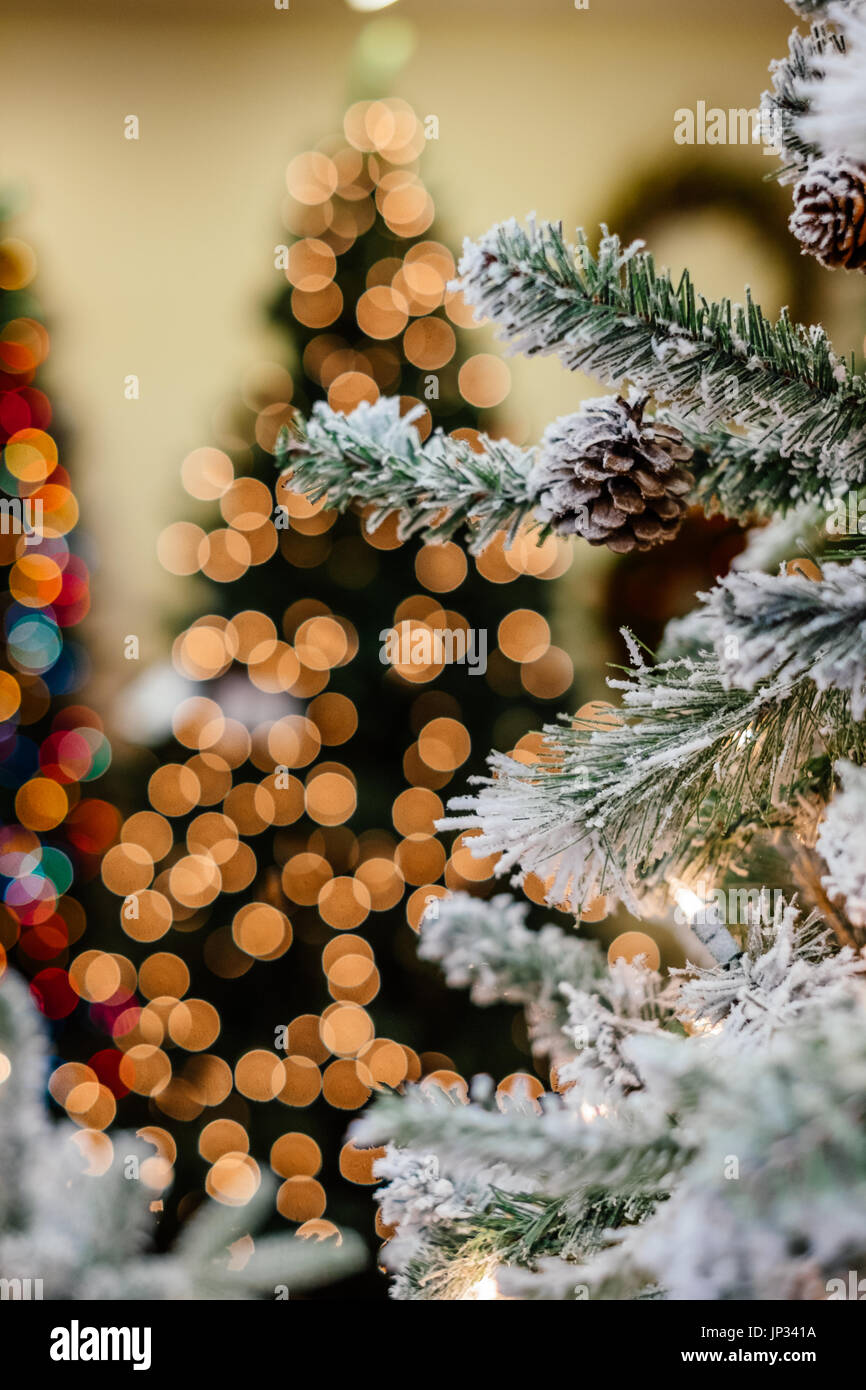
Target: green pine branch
{"x": 89, "y": 1236}
{"x": 745, "y": 478}
{"x": 689, "y": 769}
{"x": 615, "y": 316}
{"x": 776, "y": 420}
{"x": 566, "y": 1153}
{"x": 787, "y": 625}
{"x": 375, "y": 458}
{"x": 786, "y": 104}
{"x": 517, "y": 1229}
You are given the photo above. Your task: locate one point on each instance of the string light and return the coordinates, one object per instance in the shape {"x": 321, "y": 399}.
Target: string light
{"x": 485, "y": 1290}
{"x": 53, "y": 831}
{"x": 259, "y": 798}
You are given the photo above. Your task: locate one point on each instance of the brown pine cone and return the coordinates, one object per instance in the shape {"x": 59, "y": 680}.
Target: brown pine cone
{"x": 829, "y": 217}
{"x": 612, "y": 477}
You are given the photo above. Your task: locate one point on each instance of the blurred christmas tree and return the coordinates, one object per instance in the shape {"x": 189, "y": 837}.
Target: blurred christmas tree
{"x": 69, "y": 1211}
{"x": 296, "y": 800}
{"x": 51, "y": 747}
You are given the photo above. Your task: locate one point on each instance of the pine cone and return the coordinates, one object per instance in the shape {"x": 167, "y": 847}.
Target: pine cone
{"x": 612, "y": 477}
{"x": 829, "y": 217}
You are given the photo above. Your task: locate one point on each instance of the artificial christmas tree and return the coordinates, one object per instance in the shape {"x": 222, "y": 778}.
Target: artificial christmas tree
{"x": 76, "y": 1219}
{"x": 53, "y": 751}
{"x": 289, "y": 842}
{"x": 703, "y": 1135}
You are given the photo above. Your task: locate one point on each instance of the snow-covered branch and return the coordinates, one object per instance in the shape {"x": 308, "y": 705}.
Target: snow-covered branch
{"x": 487, "y": 947}
{"x": 635, "y": 1198}
{"x": 788, "y": 971}
{"x": 613, "y": 315}
{"x": 833, "y": 118}
{"x": 87, "y": 1234}
{"x": 685, "y": 760}
{"x": 374, "y": 458}
{"x": 796, "y": 79}
{"x": 842, "y": 842}
{"x": 790, "y": 627}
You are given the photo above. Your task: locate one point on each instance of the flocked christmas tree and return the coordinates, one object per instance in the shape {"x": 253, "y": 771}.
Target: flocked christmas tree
{"x": 76, "y": 1219}
{"x": 741, "y": 743}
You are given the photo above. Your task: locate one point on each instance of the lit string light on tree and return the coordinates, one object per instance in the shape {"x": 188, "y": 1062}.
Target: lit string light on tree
{"x": 285, "y": 813}
{"x": 52, "y": 830}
